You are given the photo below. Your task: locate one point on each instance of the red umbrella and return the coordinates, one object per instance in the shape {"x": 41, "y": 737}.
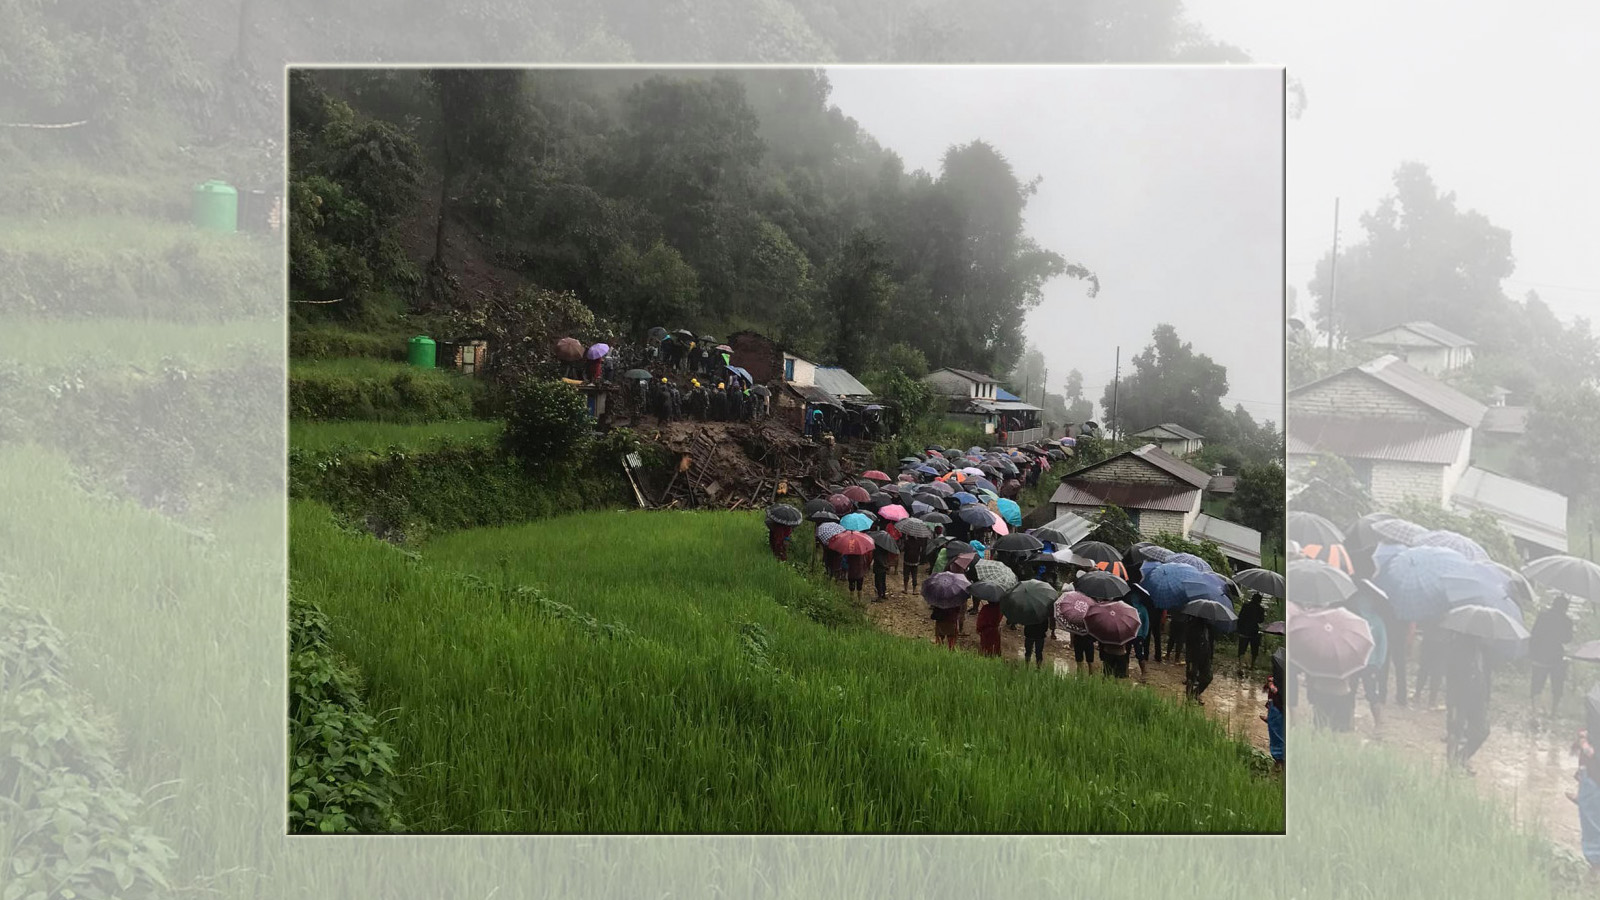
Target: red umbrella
{"x": 1332, "y": 643}
{"x": 876, "y": 475}
{"x": 1072, "y": 611}
{"x": 857, "y": 493}
{"x": 1112, "y": 623}
{"x": 851, "y": 543}
{"x": 569, "y": 350}
{"x": 841, "y": 504}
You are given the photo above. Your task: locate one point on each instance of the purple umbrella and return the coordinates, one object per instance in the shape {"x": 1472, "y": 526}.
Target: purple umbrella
{"x": 1112, "y": 623}
{"x": 1332, "y": 643}
{"x": 1072, "y": 610}
{"x": 841, "y": 504}
{"x": 1273, "y": 628}
{"x": 597, "y": 351}
{"x": 945, "y": 590}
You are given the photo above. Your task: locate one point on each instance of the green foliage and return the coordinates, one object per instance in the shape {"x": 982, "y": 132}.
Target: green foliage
{"x": 654, "y": 287}
{"x": 330, "y": 341}
{"x": 72, "y": 827}
{"x": 366, "y": 436}
{"x": 547, "y": 423}
{"x": 342, "y": 778}
{"x": 915, "y": 400}
{"x": 1169, "y": 382}
{"x": 1565, "y": 456}
{"x": 1206, "y": 550}
{"x": 697, "y": 692}
{"x": 1113, "y": 526}
{"x": 522, "y": 328}
{"x": 904, "y": 358}
{"x": 374, "y": 390}
{"x": 1330, "y": 488}
{"x": 1478, "y": 525}
{"x": 1258, "y": 499}
{"x": 1089, "y": 449}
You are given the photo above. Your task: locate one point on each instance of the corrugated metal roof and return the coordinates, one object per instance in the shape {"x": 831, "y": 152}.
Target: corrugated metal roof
{"x": 1506, "y": 420}
{"x": 1389, "y": 441}
{"x": 972, "y": 376}
{"x": 1172, "y": 465}
{"x": 1525, "y": 511}
{"x": 1441, "y": 336}
{"x": 1171, "y": 428}
{"x": 837, "y": 381}
{"x": 1079, "y": 492}
{"x": 1236, "y": 540}
{"x": 1004, "y": 405}
{"x": 813, "y": 394}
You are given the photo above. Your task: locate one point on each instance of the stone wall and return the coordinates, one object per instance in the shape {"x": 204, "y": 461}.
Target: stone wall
{"x": 1392, "y": 482}
{"x": 1353, "y": 395}
{"x": 1153, "y": 522}
{"x": 1130, "y": 470}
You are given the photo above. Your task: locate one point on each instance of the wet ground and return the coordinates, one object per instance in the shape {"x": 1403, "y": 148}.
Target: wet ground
{"x": 1238, "y": 702}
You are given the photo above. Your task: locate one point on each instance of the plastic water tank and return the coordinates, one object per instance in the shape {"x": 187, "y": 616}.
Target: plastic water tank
{"x": 422, "y": 351}
{"x": 216, "y": 207}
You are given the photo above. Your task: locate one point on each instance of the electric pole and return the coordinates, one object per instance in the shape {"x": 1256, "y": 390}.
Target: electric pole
{"x": 1333, "y": 278}
{"x": 1116, "y": 382}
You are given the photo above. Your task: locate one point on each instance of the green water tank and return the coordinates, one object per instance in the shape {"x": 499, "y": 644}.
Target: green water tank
{"x": 422, "y": 351}
{"x": 216, "y": 207}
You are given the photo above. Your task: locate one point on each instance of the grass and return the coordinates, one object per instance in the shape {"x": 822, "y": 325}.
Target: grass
{"x": 695, "y": 701}
{"x": 380, "y": 390}
{"x": 319, "y": 437}
{"x": 52, "y": 344}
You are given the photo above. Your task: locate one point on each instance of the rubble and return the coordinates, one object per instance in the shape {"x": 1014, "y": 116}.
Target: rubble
{"x": 740, "y": 465}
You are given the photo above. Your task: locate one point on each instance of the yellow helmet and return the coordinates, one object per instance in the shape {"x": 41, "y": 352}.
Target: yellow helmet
{"x": 721, "y": 387}
{"x": 695, "y": 382}
{"x": 663, "y": 381}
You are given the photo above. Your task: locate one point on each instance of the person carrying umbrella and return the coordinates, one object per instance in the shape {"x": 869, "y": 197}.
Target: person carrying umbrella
{"x": 1431, "y": 663}
{"x": 1251, "y": 616}
{"x": 778, "y": 539}
{"x": 912, "y": 548}
{"x": 1200, "y": 646}
{"x": 1141, "y": 641}
{"x": 1083, "y": 653}
{"x": 1587, "y": 797}
{"x": 882, "y": 558}
{"x": 1333, "y": 701}
{"x": 989, "y": 629}
{"x": 1176, "y": 642}
{"x": 1033, "y": 639}
{"x": 856, "y": 566}
{"x": 1552, "y": 631}
{"x": 1466, "y": 698}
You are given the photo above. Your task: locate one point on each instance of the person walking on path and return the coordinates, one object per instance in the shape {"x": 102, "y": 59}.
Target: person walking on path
{"x": 881, "y": 560}
{"x": 1249, "y": 627}
{"x": 1141, "y": 641}
{"x": 778, "y": 539}
{"x": 1369, "y": 606}
{"x": 1114, "y": 660}
{"x": 1587, "y": 796}
{"x": 1201, "y": 645}
{"x": 989, "y": 629}
{"x": 945, "y": 627}
{"x": 1274, "y": 716}
{"x": 1466, "y": 691}
{"x": 1333, "y": 702}
{"x": 1430, "y": 665}
{"x": 856, "y": 566}
{"x": 1033, "y": 637}
{"x": 1083, "y": 653}
{"x": 912, "y": 550}
{"x": 1177, "y": 641}
{"x": 1547, "y": 651}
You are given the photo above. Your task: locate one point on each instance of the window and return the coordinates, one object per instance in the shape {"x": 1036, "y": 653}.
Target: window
{"x": 788, "y": 370}
{"x": 1363, "y": 470}
{"x": 1133, "y": 518}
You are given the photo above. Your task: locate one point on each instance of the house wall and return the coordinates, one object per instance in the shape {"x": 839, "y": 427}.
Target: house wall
{"x": 1192, "y": 514}
{"x": 1393, "y": 482}
{"x": 758, "y": 355}
{"x": 1354, "y": 396}
{"x": 1432, "y": 360}
{"x": 1153, "y": 522}
{"x": 805, "y": 373}
{"x": 1129, "y": 470}
{"x": 950, "y": 384}
{"x": 1452, "y": 475}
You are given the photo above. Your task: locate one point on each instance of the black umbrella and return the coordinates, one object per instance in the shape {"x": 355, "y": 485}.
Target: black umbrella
{"x": 1310, "y": 528}
{"x": 824, "y": 515}
{"x": 885, "y": 542}
{"x": 911, "y": 460}
{"x": 1028, "y": 603}
{"x": 1484, "y": 622}
{"x": 1264, "y": 580}
{"x": 977, "y": 516}
{"x": 760, "y": 391}
{"x": 1017, "y": 542}
{"x": 1100, "y": 585}
{"x": 684, "y": 333}
{"x": 990, "y": 591}
{"x": 915, "y": 528}
{"x": 1316, "y": 583}
{"x": 1567, "y": 574}
{"x": 1099, "y": 551}
{"x": 1144, "y": 552}
{"x": 657, "y": 333}
{"x": 1053, "y": 536}
{"x": 708, "y": 339}
{"x": 936, "y": 518}
{"x": 818, "y": 505}
{"x": 1218, "y": 615}
{"x": 783, "y": 514}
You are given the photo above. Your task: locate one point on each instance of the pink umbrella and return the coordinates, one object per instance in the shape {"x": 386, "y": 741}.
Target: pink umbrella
{"x": 1072, "y": 610}
{"x": 1000, "y": 527}
{"x": 908, "y": 478}
{"x": 1112, "y": 623}
{"x": 857, "y": 493}
{"x": 1331, "y": 643}
{"x": 894, "y": 512}
{"x": 876, "y": 475}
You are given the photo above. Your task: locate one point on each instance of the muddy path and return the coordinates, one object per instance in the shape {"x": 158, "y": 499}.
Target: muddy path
{"x": 1235, "y": 700}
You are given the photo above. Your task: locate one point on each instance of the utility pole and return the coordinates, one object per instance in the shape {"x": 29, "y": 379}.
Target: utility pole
{"x": 1116, "y": 382}
{"x": 1333, "y": 278}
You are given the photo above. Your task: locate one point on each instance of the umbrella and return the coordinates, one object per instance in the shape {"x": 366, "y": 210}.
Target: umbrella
{"x": 824, "y": 515}
{"x": 1113, "y": 623}
{"x": 782, "y": 514}
{"x": 988, "y": 591}
{"x": 876, "y": 475}
{"x": 707, "y": 339}
{"x": 883, "y": 541}
{"x": 636, "y": 375}
{"x": 1589, "y": 652}
{"x": 965, "y": 498}
{"x": 946, "y": 590}
{"x": 1333, "y": 554}
{"x": 942, "y": 488}
{"x": 911, "y": 460}
{"x": 850, "y": 543}
{"x": 569, "y": 350}
{"x": 1567, "y": 574}
{"x": 1333, "y": 643}
{"x": 658, "y": 333}
{"x": 1101, "y": 585}
{"x": 684, "y": 333}
{"x": 1115, "y": 567}
{"x": 1020, "y": 543}
{"x": 856, "y": 522}
{"x": 977, "y": 517}
{"x": 1415, "y": 580}
{"x": 1264, "y": 580}
{"x": 1219, "y": 615}
{"x": 1052, "y": 535}
{"x": 919, "y": 509}
{"x": 1072, "y": 610}
{"x": 597, "y": 351}
{"x": 1460, "y": 543}
{"x": 977, "y": 547}
{"x": 1310, "y": 528}
{"x": 841, "y": 504}
{"x": 894, "y": 512}
{"x": 1312, "y": 583}
{"x": 915, "y": 528}
{"x": 1099, "y": 551}
{"x": 857, "y": 493}
{"x": 1517, "y": 587}
{"x": 1000, "y": 527}
{"x": 1395, "y": 531}
{"x": 1029, "y": 602}
{"x": 827, "y": 531}
{"x": 935, "y": 518}
{"x": 1144, "y": 551}
{"x": 1189, "y": 559}
{"x": 1171, "y": 585}
{"x": 724, "y": 348}
{"x": 879, "y": 499}
{"x": 1484, "y": 622}
{"x": 1010, "y": 512}
{"x": 926, "y": 470}
{"x": 760, "y": 391}
{"x": 991, "y": 572}
{"x": 1273, "y": 628}
{"x": 818, "y": 505}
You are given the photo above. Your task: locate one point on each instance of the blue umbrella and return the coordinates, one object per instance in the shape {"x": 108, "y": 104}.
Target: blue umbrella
{"x": 1172, "y": 585}
{"x": 920, "y": 509}
{"x": 1385, "y": 552}
{"x": 983, "y": 484}
{"x": 1010, "y": 511}
{"x": 965, "y": 498}
{"x": 978, "y": 546}
{"x": 977, "y": 516}
{"x": 1189, "y": 559}
{"x": 1460, "y": 543}
{"x": 926, "y": 470}
{"x": 1423, "y": 583}
{"x": 855, "y": 522}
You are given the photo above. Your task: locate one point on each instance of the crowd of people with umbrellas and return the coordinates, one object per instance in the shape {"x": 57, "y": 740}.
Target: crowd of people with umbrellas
{"x": 943, "y": 523}
{"x": 728, "y": 394}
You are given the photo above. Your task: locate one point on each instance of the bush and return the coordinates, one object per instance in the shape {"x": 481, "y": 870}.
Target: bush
{"x": 340, "y": 773}
{"x": 333, "y": 342}
{"x": 1206, "y": 550}
{"x": 373, "y": 391}
{"x": 547, "y": 423}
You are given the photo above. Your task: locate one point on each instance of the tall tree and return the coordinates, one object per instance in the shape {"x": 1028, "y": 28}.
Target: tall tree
{"x": 1080, "y": 409}
{"x": 860, "y": 293}
{"x": 1169, "y": 382}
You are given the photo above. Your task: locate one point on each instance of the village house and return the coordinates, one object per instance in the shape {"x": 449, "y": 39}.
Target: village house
{"x": 974, "y": 399}
{"x": 1424, "y": 346}
{"x": 1173, "y": 438}
{"x": 1158, "y": 491}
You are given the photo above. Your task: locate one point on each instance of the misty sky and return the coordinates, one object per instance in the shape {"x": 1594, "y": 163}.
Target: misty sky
{"x": 1167, "y": 183}
{"x": 1495, "y": 100}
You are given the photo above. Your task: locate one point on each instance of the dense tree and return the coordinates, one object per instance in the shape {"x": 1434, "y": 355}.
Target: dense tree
{"x": 860, "y": 292}
{"x": 1080, "y": 409}
{"x": 1329, "y": 487}
{"x": 1169, "y": 382}
{"x": 1257, "y": 500}
{"x": 1565, "y": 457}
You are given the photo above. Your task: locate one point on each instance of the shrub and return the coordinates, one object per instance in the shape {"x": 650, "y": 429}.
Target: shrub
{"x": 369, "y": 390}
{"x": 547, "y": 423}
{"x": 1480, "y": 526}
{"x": 1206, "y": 550}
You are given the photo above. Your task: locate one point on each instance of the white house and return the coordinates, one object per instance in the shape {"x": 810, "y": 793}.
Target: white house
{"x": 1405, "y": 433}
{"x": 1158, "y": 491}
{"x": 962, "y": 383}
{"x": 1173, "y": 438}
{"x": 1423, "y": 346}
{"x": 798, "y": 371}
